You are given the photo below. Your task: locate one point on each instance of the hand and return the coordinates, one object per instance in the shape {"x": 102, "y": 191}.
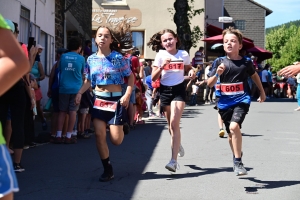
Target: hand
{"x": 165, "y": 62}
{"x": 290, "y": 71}
{"x": 221, "y": 69}
{"x": 78, "y": 99}
{"x": 124, "y": 101}
{"x": 191, "y": 74}
{"x": 262, "y": 97}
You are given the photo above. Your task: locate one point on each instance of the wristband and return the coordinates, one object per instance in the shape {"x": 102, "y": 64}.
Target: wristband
{"x": 217, "y": 75}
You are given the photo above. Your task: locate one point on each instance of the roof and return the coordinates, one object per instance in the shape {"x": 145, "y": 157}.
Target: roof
{"x": 268, "y": 11}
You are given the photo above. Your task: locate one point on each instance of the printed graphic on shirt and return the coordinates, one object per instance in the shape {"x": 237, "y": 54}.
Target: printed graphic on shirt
{"x": 107, "y": 70}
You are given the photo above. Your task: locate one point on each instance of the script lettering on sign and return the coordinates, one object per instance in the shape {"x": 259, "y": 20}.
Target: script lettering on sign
{"x": 115, "y": 17}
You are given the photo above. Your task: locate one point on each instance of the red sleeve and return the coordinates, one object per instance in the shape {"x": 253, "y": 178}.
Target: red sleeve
{"x": 135, "y": 64}
{"x": 24, "y": 47}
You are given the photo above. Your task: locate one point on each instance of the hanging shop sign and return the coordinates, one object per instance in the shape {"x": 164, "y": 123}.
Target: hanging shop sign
{"x": 107, "y": 17}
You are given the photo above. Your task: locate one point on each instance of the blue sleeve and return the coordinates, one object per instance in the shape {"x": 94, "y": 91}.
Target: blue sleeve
{"x": 125, "y": 67}
{"x": 213, "y": 69}
{"x": 87, "y": 71}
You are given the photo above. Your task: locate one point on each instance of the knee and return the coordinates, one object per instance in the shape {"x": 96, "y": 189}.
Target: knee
{"x": 173, "y": 127}
{"x": 117, "y": 142}
{"x": 234, "y": 128}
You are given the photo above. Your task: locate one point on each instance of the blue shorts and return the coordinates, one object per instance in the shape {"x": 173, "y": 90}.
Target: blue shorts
{"x": 119, "y": 117}
{"x": 8, "y": 181}
{"x": 132, "y": 96}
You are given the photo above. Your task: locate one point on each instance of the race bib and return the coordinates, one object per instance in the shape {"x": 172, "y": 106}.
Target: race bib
{"x": 174, "y": 66}
{"x": 101, "y": 104}
{"x": 231, "y": 88}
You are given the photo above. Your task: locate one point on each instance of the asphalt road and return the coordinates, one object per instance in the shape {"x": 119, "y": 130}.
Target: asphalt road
{"x": 271, "y": 146}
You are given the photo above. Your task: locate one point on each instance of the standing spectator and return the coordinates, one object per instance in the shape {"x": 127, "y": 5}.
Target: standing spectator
{"x": 265, "y": 79}
{"x": 199, "y": 57}
{"x": 14, "y": 65}
{"x": 209, "y": 91}
{"x": 38, "y": 72}
{"x": 298, "y": 91}
{"x": 53, "y": 93}
{"x": 147, "y": 68}
{"x": 15, "y": 100}
{"x": 71, "y": 66}
{"x": 149, "y": 96}
{"x": 87, "y": 49}
{"x": 134, "y": 65}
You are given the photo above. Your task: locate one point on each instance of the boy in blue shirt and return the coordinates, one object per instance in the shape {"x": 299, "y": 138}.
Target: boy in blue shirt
{"x": 71, "y": 66}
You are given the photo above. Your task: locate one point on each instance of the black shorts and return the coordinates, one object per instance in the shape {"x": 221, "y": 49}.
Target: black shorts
{"x": 265, "y": 84}
{"x": 119, "y": 117}
{"x": 171, "y": 93}
{"x": 236, "y": 114}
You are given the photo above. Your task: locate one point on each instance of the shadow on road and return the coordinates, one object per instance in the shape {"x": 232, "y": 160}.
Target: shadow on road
{"x": 260, "y": 184}
{"x": 204, "y": 171}
{"x": 60, "y": 171}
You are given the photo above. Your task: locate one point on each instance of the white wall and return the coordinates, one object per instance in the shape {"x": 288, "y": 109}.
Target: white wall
{"x": 45, "y": 19}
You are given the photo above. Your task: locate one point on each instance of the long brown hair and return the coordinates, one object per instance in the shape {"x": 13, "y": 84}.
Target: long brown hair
{"x": 121, "y": 35}
{"x": 155, "y": 40}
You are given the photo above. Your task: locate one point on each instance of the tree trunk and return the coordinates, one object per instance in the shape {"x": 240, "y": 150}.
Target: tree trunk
{"x": 182, "y": 23}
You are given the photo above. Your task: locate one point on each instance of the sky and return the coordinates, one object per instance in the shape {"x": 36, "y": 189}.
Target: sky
{"x": 283, "y": 11}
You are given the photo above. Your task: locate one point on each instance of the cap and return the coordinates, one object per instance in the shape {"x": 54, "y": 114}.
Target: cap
{"x": 39, "y": 46}
{"x": 10, "y": 24}
{"x": 61, "y": 50}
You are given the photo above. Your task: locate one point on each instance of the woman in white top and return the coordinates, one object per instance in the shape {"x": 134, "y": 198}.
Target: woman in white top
{"x": 169, "y": 65}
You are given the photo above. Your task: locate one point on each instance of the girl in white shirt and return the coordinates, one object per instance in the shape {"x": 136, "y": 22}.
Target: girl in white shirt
{"x": 169, "y": 65}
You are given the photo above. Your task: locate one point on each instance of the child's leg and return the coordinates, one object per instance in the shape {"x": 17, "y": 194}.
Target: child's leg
{"x": 236, "y": 137}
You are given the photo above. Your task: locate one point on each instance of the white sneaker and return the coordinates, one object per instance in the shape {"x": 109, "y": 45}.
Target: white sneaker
{"x": 172, "y": 166}
{"x": 181, "y": 151}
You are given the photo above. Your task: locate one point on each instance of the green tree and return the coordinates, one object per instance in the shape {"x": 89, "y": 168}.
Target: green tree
{"x": 184, "y": 12}
{"x": 284, "y": 45}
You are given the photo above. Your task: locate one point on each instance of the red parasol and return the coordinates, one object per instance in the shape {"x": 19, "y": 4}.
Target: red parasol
{"x": 219, "y": 39}
{"x": 260, "y": 53}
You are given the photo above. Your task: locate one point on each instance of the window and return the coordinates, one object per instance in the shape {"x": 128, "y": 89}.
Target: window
{"x": 47, "y": 55}
{"x": 24, "y": 25}
{"x": 114, "y": 2}
{"x": 35, "y": 32}
{"x": 138, "y": 41}
{"x": 239, "y": 24}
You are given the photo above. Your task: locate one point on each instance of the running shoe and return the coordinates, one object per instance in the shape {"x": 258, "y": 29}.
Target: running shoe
{"x": 172, "y": 166}
{"x": 239, "y": 169}
{"x": 234, "y": 157}
{"x": 221, "y": 133}
{"x": 18, "y": 167}
{"x": 181, "y": 151}
{"x": 107, "y": 175}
